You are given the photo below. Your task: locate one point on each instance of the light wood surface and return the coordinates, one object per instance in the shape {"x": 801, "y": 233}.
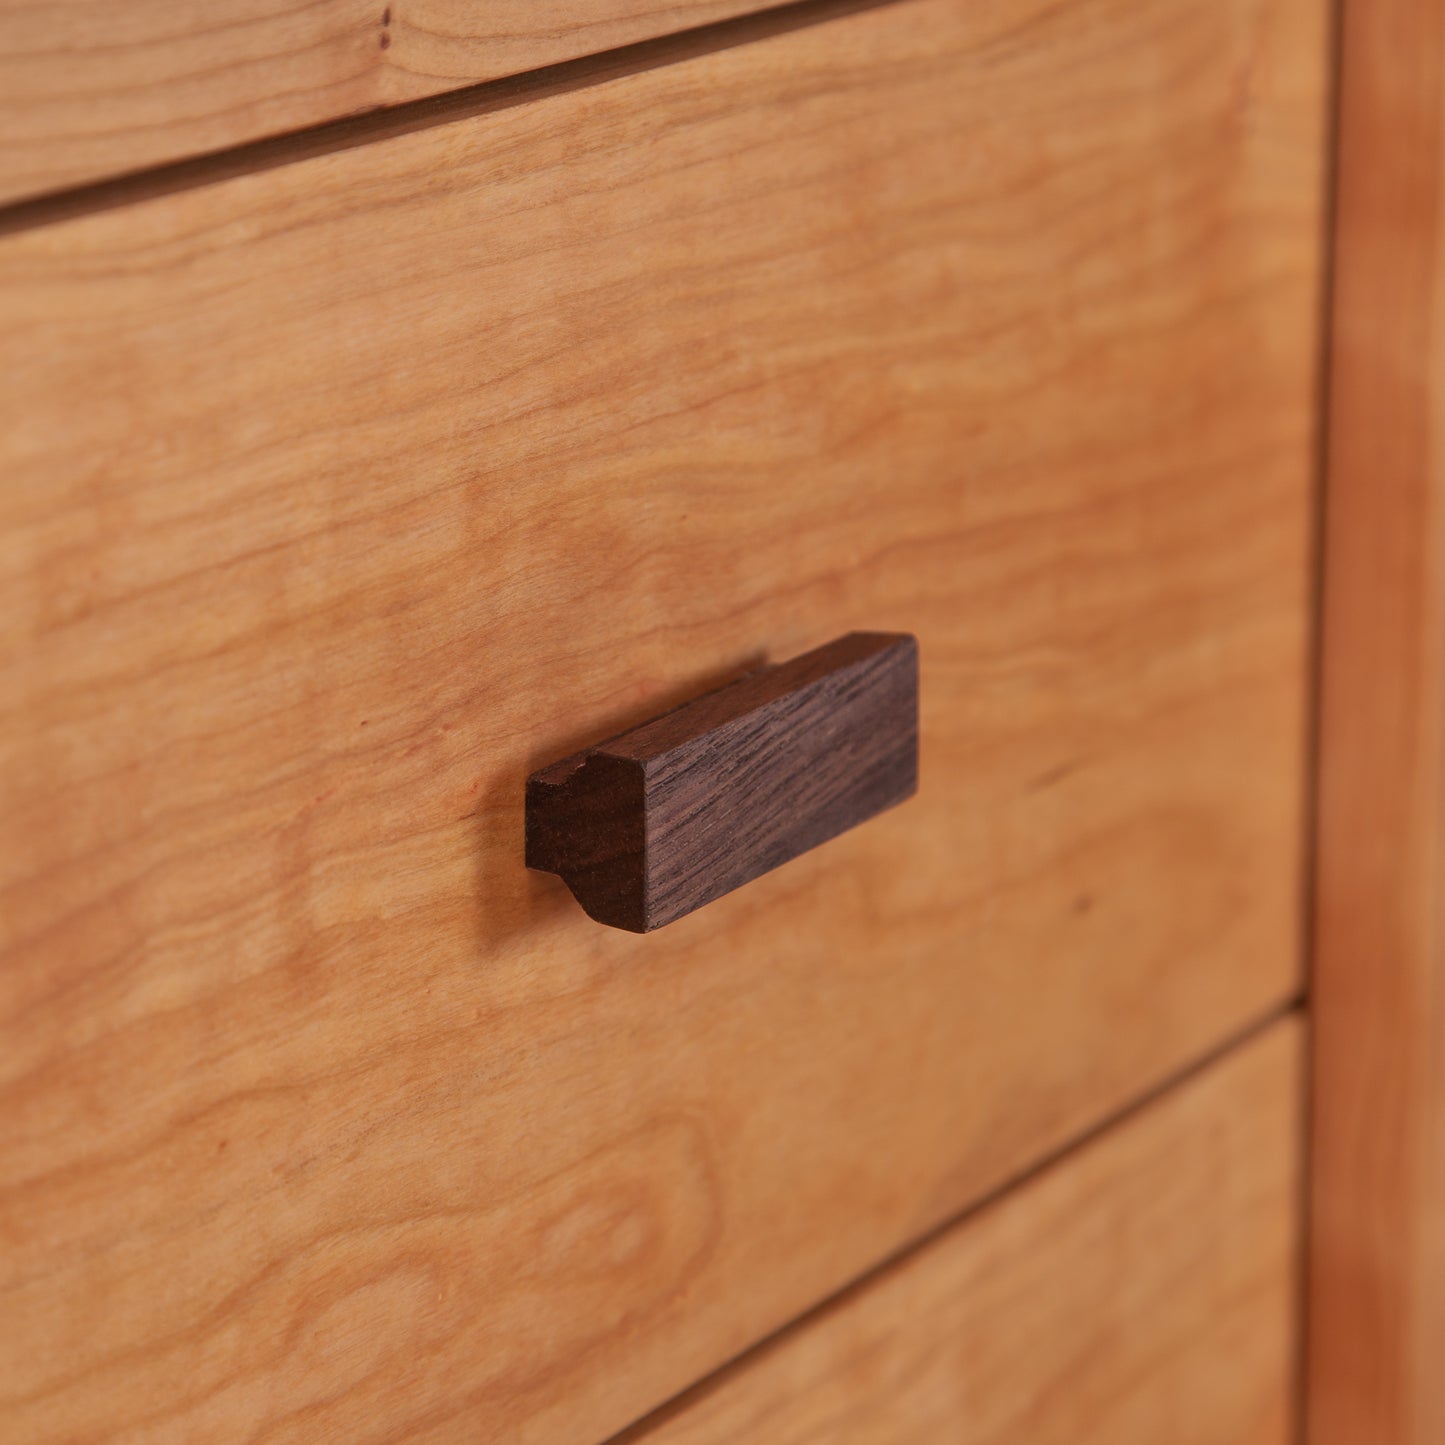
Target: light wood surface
{"x": 1142, "y": 1289}
{"x": 1378, "y": 1234}
{"x": 96, "y": 88}
{"x": 339, "y": 498}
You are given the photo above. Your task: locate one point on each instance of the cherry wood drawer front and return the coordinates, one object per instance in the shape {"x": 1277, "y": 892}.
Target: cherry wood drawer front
{"x": 1143, "y": 1289}
{"x": 339, "y": 498}
{"x": 91, "y": 89}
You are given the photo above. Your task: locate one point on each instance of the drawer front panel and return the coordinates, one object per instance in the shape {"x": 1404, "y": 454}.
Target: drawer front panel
{"x": 92, "y": 89}
{"x": 1143, "y": 1289}
{"x": 339, "y": 498}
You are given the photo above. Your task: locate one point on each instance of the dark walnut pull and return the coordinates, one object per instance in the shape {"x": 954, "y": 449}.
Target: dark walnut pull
{"x": 657, "y": 821}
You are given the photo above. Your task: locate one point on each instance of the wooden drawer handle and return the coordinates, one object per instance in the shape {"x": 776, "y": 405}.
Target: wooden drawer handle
{"x": 659, "y": 820}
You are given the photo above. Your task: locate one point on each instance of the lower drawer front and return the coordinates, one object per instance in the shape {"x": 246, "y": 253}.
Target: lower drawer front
{"x": 1143, "y": 1289}
{"x": 342, "y": 495}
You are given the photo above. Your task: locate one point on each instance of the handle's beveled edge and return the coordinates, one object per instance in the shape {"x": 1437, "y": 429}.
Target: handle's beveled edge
{"x": 650, "y": 741}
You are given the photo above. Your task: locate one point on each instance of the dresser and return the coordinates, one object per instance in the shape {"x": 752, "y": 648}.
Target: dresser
{"x": 892, "y": 510}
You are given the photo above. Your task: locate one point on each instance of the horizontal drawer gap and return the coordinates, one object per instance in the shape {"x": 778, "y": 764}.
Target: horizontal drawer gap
{"x": 466, "y": 103}
{"x": 642, "y": 1429}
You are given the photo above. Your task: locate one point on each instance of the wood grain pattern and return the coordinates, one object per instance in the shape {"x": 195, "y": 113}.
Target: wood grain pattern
{"x": 1377, "y": 1285}
{"x": 332, "y": 498}
{"x": 92, "y": 88}
{"x": 1142, "y": 1289}
{"x": 677, "y": 812}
